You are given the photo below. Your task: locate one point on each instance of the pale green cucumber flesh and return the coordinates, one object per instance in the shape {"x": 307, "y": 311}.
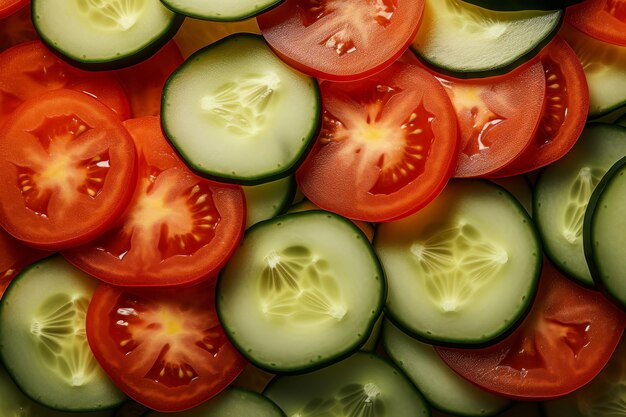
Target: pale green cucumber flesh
{"x": 220, "y": 10}
{"x": 516, "y": 5}
{"x": 268, "y": 200}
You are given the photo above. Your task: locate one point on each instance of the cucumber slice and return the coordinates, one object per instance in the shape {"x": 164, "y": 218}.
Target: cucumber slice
{"x": 220, "y": 10}
{"x": 372, "y": 342}
{"x": 473, "y": 246}
{"x": 604, "y": 233}
{"x": 268, "y": 200}
{"x": 563, "y": 191}
{"x": 605, "y": 68}
{"x": 237, "y": 113}
{"x": 104, "y": 34}
{"x": 517, "y": 5}
{"x": 364, "y": 385}
{"x": 466, "y": 41}
{"x": 518, "y": 410}
{"x": 621, "y": 121}
{"x": 43, "y": 342}
{"x": 232, "y": 402}
{"x": 441, "y": 386}
{"x": 302, "y": 291}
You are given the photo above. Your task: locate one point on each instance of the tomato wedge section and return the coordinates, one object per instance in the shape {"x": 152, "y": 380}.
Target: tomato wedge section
{"x": 165, "y": 350}
{"x": 386, "y": 148}
{"x": 30, "y": 69}
{"x": 496, "y": 121}
{"x": 568, "y": 337}
{"x": 67, "y": 170}
{"x": 15, "y": 256}
{"x": 8, "y": 7}
{"x": 179, "y": 228}
{"x": 16, "y": 29}
{"x": 341, "y": 40}
{"x": 601, "y": 19}
{"x": 564, "y": 113}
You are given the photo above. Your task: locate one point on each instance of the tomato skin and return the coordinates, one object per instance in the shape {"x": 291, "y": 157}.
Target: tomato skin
{"x": 604, "y": 20}
{"x": 311, "y": 40}
{"x": 160, "y": 330}
{"x": 67, "y": 169}
{"x": 359, "y": 166}
{"x": 16, "y": 29}
{"x": 8, "y": 7}
{"x": 141, "y": 249}
{"x": 568, "y": 337}
{"x": 14, "y": 256}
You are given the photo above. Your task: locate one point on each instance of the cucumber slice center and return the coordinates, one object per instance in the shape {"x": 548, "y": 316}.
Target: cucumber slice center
{"x": 579, "y": 195}
{"x": 115, "y": 15}
{"x": 352, "y": 400}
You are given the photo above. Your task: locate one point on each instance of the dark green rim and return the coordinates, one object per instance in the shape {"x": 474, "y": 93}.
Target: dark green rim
{"x": 216, "y": 18}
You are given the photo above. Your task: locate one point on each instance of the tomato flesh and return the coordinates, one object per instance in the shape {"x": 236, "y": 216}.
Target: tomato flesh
{"x": 8, "y": 7}
{"x": 16, "y": 29}
{"x": 568, "y": 337}
{"x": 341, "y": 40}
{"x": 179, "y": 228}
{"x": 601, "y": 19}
{"x": 386, "y": 147}
{"x": 14, "y": 256}
{"x": 166, "y": 351}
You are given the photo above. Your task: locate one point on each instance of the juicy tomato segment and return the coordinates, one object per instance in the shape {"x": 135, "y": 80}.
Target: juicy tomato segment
{"x": 601, "y": 19}
{"x": 167, "y": 352}
{"x": 8, "y": 7}
{"x": 341, "y": 40}
{"x": 30, "y": 69}
{"x": 16, "y": 29}
{"x": 67, "y": 169}
{"x": 386, "y": 146}
{"x": 564, "y": 113}
{"x": 14, "y": 256}
{"x": 568, "y": 337}
{"x": 496, "y": 121}
{"x": 179, "y": 228}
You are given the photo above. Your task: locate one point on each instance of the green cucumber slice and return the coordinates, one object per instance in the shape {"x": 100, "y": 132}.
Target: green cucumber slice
{"x": 43, "y": 342}
{"x": 236, "y": 113}
{"x": 518, "y": 410}
{"x": 441, "y": 386}
{"x": 268, "y": 200}
{"x": 232, "y": 402}
{"x": 621, "y": 121}
{"x": 516, "y": 5}
{"x": 302, "y": 291}
{"x": 473, "y": 246}
{"x": 604, "y": 233}
{"x": 104, "y": 34}
{"x": 467, "y": 41}
{"x": 220, "y": 10}
{"x": 605, "y": 68}
{"x": 364, "y": 385}
{"x": 563, "y": 191}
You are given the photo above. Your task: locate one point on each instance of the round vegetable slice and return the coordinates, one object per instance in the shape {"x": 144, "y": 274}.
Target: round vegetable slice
{"x": 387, "y": 145}
{"x": 16, "y": 29}
{"x": 8, "y": 7}
{"x": 219, "y": 10}
{"x": 179, "y": 228}
{"x": 64, "y": 157}
{"x": 268, "y": 200}
{"x": 341, "y": 40}
{"x": 604, "y": 20}
{"x": 166, "y": 351}
{"x": 566, "y": 340}
{"x": 516, "y": 5}
{"x": 14, "y": 256}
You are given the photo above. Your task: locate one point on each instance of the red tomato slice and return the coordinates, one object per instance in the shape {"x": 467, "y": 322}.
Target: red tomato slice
{"x": 16, "y": 29}
{"x": 564, "y": 113}
{"x": 8, "y": 7}
{"x": 165, "y": 350}
{"x": 602, "y": 19}
{"x": 568, "y": 337}
{"x": 30, "y": 69}
{"x": 144, "y": 82}
{"x": 14, "y": 256}
{"x": 387, "y": 145}
{"x": 496, "y": 121}
{"x": 179, "y": 228}
{"x": 341, "y": 40}
{"x": 67, "y": 170}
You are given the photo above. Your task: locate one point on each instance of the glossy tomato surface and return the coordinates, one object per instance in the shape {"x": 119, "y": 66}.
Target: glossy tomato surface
{"x": 602, "y": 19}
{"x": 16, "y": 29}
{"x": 341, "y": 40}
{"x": 8, "y": 7}
{"x": 386, "y": 148}
{"x": 164, "y": 349}
{"x": 67, "y": 170}
{"x": 15, "y": 256}
{"x": 568, "y": 337}
{"x": 179, "y": 228}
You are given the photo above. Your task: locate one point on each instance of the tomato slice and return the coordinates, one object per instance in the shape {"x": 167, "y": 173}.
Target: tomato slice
{"x": 67, "y": 170}
{"x": 568, "y": 337}
{"x": 30, "y": 69}
{"x": 14, "y": 256}
{"x": 16, "y": 29}
{"x": 341, "y": 40}
{"x": 8, "y": 7}
{"x": 165, "y": 350}
{"x": 144, "y": 82}
{"x": 387, "y": 145}
{"x": 564, "y": 113}
{"x": 496, "y": 121}
{"x": 601, "y": 19}
{"x": 179, "y": 228}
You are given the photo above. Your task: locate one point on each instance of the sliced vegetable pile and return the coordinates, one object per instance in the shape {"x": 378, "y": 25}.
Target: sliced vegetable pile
{"x": 312, "y": 208}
